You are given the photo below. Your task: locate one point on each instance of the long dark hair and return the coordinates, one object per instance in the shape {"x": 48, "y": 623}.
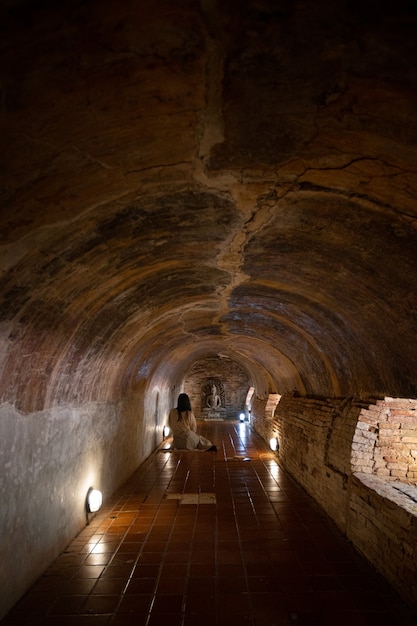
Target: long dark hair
{"x": 183, "y": 405}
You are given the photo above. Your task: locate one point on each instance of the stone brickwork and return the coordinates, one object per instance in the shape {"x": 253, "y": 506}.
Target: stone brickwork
{"x": 358, "y": 461}
{"x": 382, "y": 524}
{"x": 234, "y": 380}
{"x": 315, "y": 438}
{"x": 385, "y": 440}
{"x": 262, "y": 416}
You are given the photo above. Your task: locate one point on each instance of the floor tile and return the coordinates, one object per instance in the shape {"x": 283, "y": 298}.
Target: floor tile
{"x": 68, "y": 605}
{"x": 100, "y": 604}
{"x": 244, "y": 546}
{"x": 135, "y": 603}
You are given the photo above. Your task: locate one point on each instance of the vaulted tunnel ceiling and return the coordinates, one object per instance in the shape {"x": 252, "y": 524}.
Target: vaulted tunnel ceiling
{"x": 183, "y": 179}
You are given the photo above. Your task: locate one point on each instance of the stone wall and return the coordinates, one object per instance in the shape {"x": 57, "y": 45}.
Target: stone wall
{"x": 234, "y": 379}
{"x": 385, "y": 441}
{"x": 349, "y": 456}
{"x": 262, "y": 417}
{"x": 382, "y": 524}
{"x": 315, "y": 438}
{"x": 48, "y": 461}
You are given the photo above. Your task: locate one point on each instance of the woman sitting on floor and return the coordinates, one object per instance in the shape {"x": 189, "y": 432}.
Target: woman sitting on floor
{"x": 183, "y": 424}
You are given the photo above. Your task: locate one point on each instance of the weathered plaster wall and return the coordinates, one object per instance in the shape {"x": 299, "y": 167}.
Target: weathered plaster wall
{"x": 48, "y": 461}
{"x": 234, "y": 177}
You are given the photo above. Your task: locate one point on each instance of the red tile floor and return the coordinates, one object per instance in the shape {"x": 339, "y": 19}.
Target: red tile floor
{"x": 211, "y": 538}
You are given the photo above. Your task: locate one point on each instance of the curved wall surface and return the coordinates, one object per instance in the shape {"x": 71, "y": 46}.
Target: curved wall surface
{"x": 181, "y": 182}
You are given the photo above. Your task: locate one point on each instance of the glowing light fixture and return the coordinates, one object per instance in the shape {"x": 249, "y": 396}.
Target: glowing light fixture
{"x": 167, "y": 430}
{"x": 242, "y": 417}
{"x": 273, "y": 444}
{"x": 94, "y": 500}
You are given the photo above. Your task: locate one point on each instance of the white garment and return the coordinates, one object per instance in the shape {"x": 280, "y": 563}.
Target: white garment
{"x": 185, "y": 432}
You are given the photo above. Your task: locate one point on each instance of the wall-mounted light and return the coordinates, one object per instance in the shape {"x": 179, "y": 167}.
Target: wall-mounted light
{"x": 273, "y": 444}
{"x": 94, "y": 500}
{"x": 166, "y": 431}
{"x": 242, "y": 417}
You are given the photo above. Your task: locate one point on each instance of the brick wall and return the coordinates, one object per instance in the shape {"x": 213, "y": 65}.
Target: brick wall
{"x": 382, "y": 524}
{"x": 315, "y": 439}
{"x": 262, "y": 416}
{"x": 358, "y": 461}
{"x": 385, "y": 441}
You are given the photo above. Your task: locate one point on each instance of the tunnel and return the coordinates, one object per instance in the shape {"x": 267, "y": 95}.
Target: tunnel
{"x": 201, "y": 191}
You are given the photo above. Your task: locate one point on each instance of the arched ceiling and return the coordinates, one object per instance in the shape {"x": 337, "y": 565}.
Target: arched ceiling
{"x": 187, "y": 179}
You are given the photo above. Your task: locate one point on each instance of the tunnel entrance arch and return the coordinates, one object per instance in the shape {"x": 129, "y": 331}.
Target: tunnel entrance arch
{"x": 230, "y": 379}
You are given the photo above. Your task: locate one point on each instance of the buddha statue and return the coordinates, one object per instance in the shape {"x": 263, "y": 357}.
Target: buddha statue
{"x": 213, "y": 400}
